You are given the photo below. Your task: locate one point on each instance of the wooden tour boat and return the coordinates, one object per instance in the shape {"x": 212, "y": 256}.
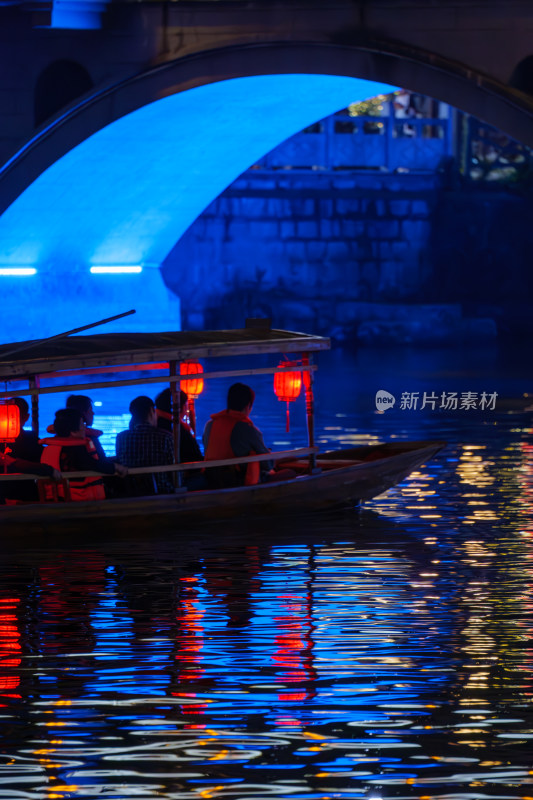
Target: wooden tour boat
{"x": 330, "y": 480}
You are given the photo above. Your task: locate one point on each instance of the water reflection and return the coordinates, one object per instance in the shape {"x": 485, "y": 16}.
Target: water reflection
{"x": 381, "y": 654}
{"x": 292, "y": 670}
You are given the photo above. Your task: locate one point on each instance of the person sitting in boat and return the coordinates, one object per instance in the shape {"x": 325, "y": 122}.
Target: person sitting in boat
{"x": 24, "y": 455}
{"x": 189, "y": 447}
{"x": 146, "y": 445}
{"x": 84, "y": 404}
{"x": 232, "y": 434}
{"x": 70, "y": 450}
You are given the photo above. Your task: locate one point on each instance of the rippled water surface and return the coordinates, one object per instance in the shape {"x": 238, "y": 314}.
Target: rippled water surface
{"x": 384, "y": 653}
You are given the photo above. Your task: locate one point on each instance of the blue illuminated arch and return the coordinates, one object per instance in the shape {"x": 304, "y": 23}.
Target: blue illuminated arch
{"x": 126, "y": 194}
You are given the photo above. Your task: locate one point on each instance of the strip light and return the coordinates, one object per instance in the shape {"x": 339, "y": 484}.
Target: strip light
{"x": 104, "y": 270}
{"x": 18, "y": 271}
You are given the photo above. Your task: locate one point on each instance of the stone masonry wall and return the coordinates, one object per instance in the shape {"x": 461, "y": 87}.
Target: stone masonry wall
{"x": 344, "y": 255}
{"x": 304, "y": 249}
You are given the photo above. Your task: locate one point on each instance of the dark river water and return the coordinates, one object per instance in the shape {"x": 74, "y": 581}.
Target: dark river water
{"x": 381, "y": 653}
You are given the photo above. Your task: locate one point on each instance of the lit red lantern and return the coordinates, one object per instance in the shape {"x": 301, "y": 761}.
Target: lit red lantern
{"x": 9, "y": 422}
{"x": 287, "y": 385}
{"x": 194, "y": 386}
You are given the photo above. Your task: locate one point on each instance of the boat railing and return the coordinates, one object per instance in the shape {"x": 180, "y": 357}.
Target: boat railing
{"x": 277, "y": 455}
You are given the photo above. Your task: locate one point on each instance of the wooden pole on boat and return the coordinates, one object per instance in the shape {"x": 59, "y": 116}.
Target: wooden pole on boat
{"x": 35, "y": 342}
{"x": 33, "y": 383}
{"x": 175, "y": 391}
{"x": 307, "y": 359}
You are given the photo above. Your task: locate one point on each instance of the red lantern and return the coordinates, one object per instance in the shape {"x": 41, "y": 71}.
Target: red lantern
{"x": 287, "y": 385}
{"x": 195, "y": 386}
{"x": 9, "y": 422}
{"x": 9, "y": 428}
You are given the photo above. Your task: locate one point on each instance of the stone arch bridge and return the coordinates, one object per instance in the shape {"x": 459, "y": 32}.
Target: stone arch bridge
{"x": 105, "y": 154}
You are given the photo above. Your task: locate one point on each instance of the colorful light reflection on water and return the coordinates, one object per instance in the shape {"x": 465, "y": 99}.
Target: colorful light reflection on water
{"x": 381, "y": 654}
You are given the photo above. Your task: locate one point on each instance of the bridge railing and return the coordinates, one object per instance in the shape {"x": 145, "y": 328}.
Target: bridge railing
{"x": 490, "y": 156}
{"x": 344, "y": 142}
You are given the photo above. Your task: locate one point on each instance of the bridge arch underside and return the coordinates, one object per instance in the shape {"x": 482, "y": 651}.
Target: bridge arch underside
{"x": 118, "y": 179}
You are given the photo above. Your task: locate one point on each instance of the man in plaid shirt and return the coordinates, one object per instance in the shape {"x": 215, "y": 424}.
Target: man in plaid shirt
{"x": 146, "y": 445}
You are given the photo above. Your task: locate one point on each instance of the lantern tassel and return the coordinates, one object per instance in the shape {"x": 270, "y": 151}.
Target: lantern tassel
{"x": 288, "y": 426}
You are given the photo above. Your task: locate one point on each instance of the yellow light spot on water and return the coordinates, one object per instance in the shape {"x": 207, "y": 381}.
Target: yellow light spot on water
{"x": 207, "y": 793}
{"x": 471, "y": 730}
{"x": 219, "y": 756}
{"x": 322, "y": 775}
{"x": 470, "y": 743}
{"x": 314, "y": 735}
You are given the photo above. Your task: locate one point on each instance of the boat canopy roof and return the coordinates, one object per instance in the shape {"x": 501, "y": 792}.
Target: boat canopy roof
{"x": 42, "y": 356}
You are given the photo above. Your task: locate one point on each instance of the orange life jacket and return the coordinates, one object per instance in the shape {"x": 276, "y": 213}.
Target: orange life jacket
{"x": 219, "y": 444}
{"x": 80, "y": 488}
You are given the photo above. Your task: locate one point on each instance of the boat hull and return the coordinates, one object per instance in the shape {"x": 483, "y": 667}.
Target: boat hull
{"x": 344, "y": 479}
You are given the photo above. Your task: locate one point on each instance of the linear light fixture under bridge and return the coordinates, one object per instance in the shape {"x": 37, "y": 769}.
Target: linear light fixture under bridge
{"x": 109, "y": 270}
{"x": 18, "y": 271}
